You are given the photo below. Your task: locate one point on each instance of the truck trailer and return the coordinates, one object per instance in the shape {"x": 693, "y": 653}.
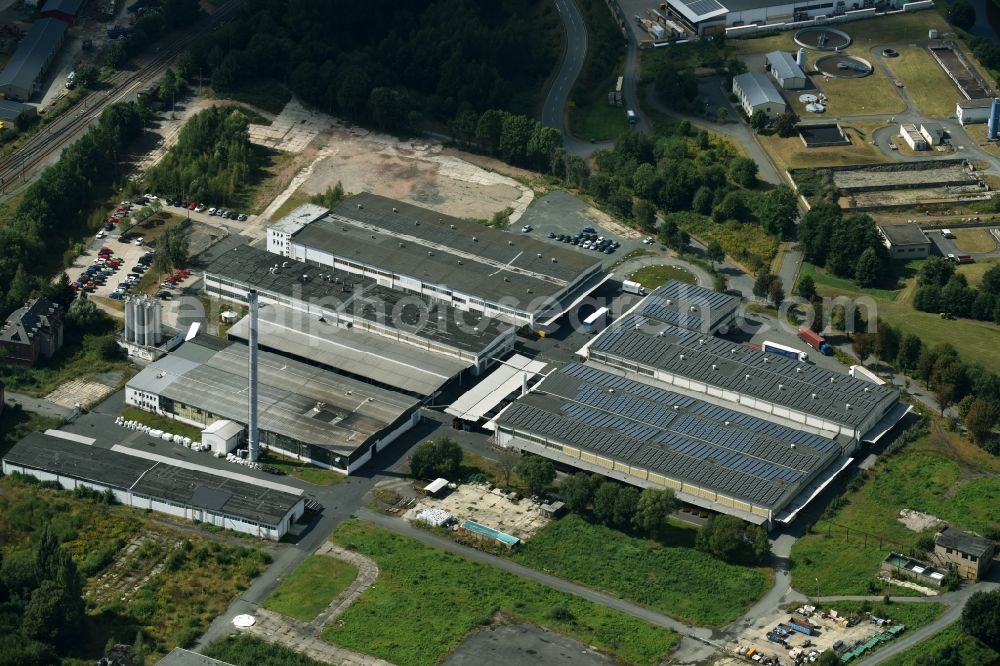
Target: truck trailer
{"x": 630, "y": 287}
{"x": 782, "y": 350}
{"x": 814, "y": 340}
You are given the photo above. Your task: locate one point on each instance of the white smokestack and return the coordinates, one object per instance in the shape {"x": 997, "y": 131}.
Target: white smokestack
{"x": 252, "y": 440}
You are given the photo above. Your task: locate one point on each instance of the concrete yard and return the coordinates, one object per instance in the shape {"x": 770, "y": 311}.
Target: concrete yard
{"x": 487, "y": 507}
{"x": 522, "y": 644}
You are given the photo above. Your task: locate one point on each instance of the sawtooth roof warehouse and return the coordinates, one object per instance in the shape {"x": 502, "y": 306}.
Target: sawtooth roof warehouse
{"x": 464, "y": 264}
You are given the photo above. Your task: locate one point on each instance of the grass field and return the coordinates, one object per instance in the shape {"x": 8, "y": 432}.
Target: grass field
{"x": 939, "y": 473}
{"x": 974, "y": 272}
{"x": 311, "y": 587}
{"x": 970, "y": 650}
{"x": 247, "y": 650}
{"x": 426, "y": 601}
{"x": 974, "y": 240}
{"x": 596, "y": 119}
{"x": 925, "y": 82}
{"x": 162, "y": 423}
{"x": 675, "y": 580}
{"x": 791, "y": 153}
{"x": 974, "y": 340}
{"x": 652, "y": 277}
{"x": 746, "y": 243}
{"x": 301, "y": 470}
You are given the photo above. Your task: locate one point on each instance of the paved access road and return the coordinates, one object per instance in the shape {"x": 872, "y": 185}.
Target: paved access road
{"x": 554, "y": 110}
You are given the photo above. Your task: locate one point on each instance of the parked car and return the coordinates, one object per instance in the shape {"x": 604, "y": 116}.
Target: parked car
{"x": 137, "y": 241}
{"x": 101, "y": 233}
{"x": 526, "y": 228}
{"x": 192, "y": 205}
{"x": 213, "y": 210}
{"x": 242, "y": 217}
{"x": 163, "y": 295}
{"x": 200, "y": 208}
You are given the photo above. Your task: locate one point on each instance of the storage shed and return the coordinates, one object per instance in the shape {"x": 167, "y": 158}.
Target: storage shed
{"x": 222, "y": 436}
{"x": 785, "y": 70}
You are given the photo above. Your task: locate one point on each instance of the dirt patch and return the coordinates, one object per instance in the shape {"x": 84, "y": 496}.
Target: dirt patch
{"x": 487, "y": 506}
{"x": 916, "y": 521}
{"x": 80, "y": 391}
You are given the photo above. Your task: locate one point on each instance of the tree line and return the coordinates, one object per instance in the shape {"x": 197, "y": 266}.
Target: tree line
{"x": 394, "y": 64}
{"x": 846, "y": 246}
{"x": 213, "y": 159}
{"x": 940, "y": 288}
{"x": 53, "y": 211}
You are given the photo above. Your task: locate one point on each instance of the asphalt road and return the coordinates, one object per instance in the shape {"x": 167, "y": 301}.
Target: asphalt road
{"x": 554, "y": 109}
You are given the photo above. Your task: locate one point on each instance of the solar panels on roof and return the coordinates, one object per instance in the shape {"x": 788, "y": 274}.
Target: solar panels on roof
{"x": 701, "y": 10}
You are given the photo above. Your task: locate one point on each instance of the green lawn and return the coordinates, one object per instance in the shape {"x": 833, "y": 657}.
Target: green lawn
{"x": 675, "y": 580}
{"x": 939, "y": 473}
{"x": 652, "y": 277}
{"x": 596, "y": 119}
{"x": 426, "y": 601}
{"x": 311, "y": 587}
{"x": 970, "y": 650}
{"x": 843, "y": 285}
{"x": 746, "y": 243}
{"x": 925, "y": 81}
{"x": 302, "y": 471}
{"x": 162, "y": 423}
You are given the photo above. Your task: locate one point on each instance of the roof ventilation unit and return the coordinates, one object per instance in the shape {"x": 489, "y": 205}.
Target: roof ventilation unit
{"x": 833, "y": 380}
{"x": 395, "y": 210}
{"x": 461, "y": 263}
{"x": 746, "y": 377}
{"x": 701, "y": 341}
{"x": 677, "y": 408}
{"x": 725, "y": 423}
{"x": 554, "y": 260}
{"x": 510, "y": 242}
{"x": 284, "y": 264}
{"x": 401, "y": 244}
{"x": 429, "y": 253}
{"x": 781, "y": 387}
{"x": 475, "y": 239}
{"x": 669, "y": 302}
{"x": 814, "y": 396}
{"x": 681, "y": 357}
{"x": 417, "y": 223}
{"x": 715, "y": 367}
{"x": 539, "y": 255}
{"x": 867, "y": 389}
{"x": 694, "y": 308}
{"x": 360, "y": 206}
{"x": 506, "y": 279}
{"x": 452, "y": 226}
{"x": 798, "y": 369}
{"x": 733, "y": 350}
{"x": 848, "y": 405}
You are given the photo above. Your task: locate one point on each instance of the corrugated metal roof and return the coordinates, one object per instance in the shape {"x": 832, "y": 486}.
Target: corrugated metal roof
{"x": 680, "y": 437}
{"x": 475, "y": 403}
{"x": 35, "y": 51}
{"x": 783, "y": 65}
{"x": 759, "y": 89}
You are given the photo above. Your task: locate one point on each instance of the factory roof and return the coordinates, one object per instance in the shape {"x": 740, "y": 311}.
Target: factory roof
{"x": 908, "y": 233}
{"x": 351, "y": 350}
{"x": 33, "y": 54}
{"x": 759, "y": 89}
{"x": 23, "y": 322}
{"x": 296, "y": 400}
{"x": 439, "y": 249}
{"x": 215, "y": 493}
{"x": 354, "y": 295}
{"x": 80, "y": 461}
{"x": 151, "y": 478}
{"x": 783, "y": 65}
{"x": 299, "y": 218}
{"x": 834, "y": 397}
{"x": 688, "y": 305}
{"x": 12, "y": 111}
{"x": 963, "y": 542}
{"x": 697, "y": 11}
{"x": 665, "y": 432}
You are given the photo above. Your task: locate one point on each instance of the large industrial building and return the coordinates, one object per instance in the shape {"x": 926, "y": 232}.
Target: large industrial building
{"x": 712, "y": 16}
{"x": 304, "y": 412}
{"x": 23, "y": 73}
{"x": 709, "y": 455}
{"x": 194, "y": 494}
{"x": 351, "y": 324}
{"x": 466, "y": 265}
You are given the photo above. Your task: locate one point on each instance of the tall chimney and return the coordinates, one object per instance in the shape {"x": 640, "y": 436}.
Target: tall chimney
{"x": 252, "y": 437}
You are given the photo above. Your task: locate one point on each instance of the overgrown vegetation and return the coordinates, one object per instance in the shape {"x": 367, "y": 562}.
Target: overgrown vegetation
{"x": 949, "y": 646}
{"x": 437, "y": 598}
{"x": 311, "y": 587}
{"x": 213, "y": 159}
{"x": 667, "y": 574}
{"x": 247, "y": 650}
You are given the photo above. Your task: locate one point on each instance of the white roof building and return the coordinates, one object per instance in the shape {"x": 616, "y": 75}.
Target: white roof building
{"x": 757, "y": 92}
{"x": 786, "y": 71}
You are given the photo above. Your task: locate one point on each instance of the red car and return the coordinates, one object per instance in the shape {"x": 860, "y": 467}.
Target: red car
{"x": 192, "y": 205}
{"x": 104, "y": 248}
{"x": 184, "y": 272}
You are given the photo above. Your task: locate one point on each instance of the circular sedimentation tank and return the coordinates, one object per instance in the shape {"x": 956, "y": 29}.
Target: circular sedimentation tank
{"x": 844, "y": 66}
{"x": 822, "y": 39}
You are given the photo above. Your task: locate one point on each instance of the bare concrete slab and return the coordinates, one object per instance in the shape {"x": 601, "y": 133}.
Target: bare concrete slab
{"x": 517, "y": 644}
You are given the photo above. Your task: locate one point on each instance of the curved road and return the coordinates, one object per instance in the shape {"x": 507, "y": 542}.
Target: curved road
{"x": 554, "y": 109}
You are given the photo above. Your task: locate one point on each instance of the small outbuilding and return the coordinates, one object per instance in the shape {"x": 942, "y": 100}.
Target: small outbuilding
{"x": 913, "y": 138}
{"x": 435, "y": 487}
{"x": 757, "y": 92}
{"x": 971, "y": 111}
{"x": 933, "y": 133}
{"x": 785, "y": 70}
{"x": 222, "y": 436}
{"x": 971, "y": 554}
{"x": 905, "y": 241}
{"x": 551, "y": 510}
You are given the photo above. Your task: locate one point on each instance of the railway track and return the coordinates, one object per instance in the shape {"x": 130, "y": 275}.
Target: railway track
{"x": 71, "y": 124}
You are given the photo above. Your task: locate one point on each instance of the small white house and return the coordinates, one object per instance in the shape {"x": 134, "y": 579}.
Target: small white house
{"x": 222, "y": 436}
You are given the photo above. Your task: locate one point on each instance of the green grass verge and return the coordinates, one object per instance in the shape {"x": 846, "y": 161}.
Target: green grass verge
{"x": 652, "y": 277}
{"x": 246, "y": 650}
{"x": 939, "y": 473}
{"x": 426, "y": 601}
{"x": 311, "y": 587}
{"x": 302, "y": 471}
{"x": 596, "y": 119}
{"x": 675, "y": 580}
{"x": 80, "y": 357}
{"x": 843, "y": 285}
{"x": 913, "y": 614}
{"x": 969, "y": 650}
{"x": 924, "y": 80}
{"x": 159, "y": 422}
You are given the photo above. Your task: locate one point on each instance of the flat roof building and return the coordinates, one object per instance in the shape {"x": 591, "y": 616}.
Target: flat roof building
{"x": 305, "y": 412}
{"x": 912, "y": 136}
{"x": 351, "y": 323}
{"x": 147, "y": 484}
{"x": 933, "y": 132}
{"x": 14, "y": 112}
{"x": 767, "y": 385}
{"x": 905, "y": 241}
{"x": 466, "y": 265}
{"x": 971, "y": 111}
{"x": 757, "y": 92}
{"x": 712, "y": 16}
{"x": 23, "y": 73}
{"x": 785, "y": 70}
{"x": 709, "y": 455}
{"x": 690, "y": 306}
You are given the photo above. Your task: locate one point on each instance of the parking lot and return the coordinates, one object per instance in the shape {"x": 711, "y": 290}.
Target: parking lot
{"x": 129, "y": 254}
